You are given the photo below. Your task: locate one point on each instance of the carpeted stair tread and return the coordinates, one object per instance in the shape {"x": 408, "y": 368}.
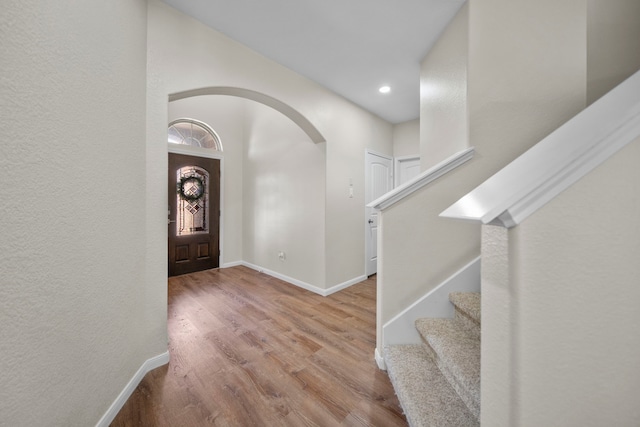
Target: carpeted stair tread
{"x": 426, "y": 396}
{"x": 468, "y": 303}
{"x": 457, "y": 354}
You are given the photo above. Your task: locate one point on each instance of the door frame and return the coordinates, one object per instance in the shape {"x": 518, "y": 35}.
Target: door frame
{"x": 367, "y": 210}
{"x": 209, "y": 154}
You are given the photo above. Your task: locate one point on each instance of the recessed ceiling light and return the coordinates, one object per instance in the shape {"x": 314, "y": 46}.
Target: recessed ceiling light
{"x": 384, "y": 89}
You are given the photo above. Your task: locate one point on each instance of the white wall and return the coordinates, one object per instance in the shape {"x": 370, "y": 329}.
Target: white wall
{"x": 345, "y": 216}
{"x": 77, "y": 312}
{"x": 283, "y": 196}
{"x": 406, "y": 138}
{"x": 443, "y": 94}
{"x": 175, "y": 40}
{"x": 527, "y": 73}
{"x": 613, "y": 43}
{"x": 564, "y": 346}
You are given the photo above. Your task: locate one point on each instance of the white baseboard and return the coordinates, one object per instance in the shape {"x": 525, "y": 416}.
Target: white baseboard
{"x": 231, "y": 264}
{"x": 380, "y": 360}
{"x": 401, "y": 329}
{"x": 300, "y": 283}
{"x": 287, "y": 279}
{"x": 344, "y": 285}
{"x": 116, "y": 406}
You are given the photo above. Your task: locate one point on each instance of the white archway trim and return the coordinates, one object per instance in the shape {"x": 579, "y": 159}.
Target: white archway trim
{"x": 274, "y": 103}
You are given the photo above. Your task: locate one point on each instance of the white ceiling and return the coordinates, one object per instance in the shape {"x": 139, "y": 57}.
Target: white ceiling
{"x": 351, "y": 47}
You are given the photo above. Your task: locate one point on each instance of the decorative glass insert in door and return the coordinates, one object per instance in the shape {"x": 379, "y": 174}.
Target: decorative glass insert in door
{"x": 192, "y": 215}
{"x": 194, "y": 133}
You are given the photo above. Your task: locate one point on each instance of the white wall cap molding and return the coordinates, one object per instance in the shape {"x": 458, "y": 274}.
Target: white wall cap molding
{"x": 426, "y": 177}
{"x": 556, "y": 162}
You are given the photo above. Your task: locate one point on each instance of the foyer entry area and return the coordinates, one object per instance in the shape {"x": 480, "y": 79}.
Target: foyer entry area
{"x": 250, "y": 349}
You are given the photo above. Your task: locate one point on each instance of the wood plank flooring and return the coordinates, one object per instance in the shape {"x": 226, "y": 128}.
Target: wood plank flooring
{"x": 250, "y": 350}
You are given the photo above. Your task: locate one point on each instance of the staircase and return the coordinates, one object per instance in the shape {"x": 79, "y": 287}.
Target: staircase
{"x": 438, "y": 381}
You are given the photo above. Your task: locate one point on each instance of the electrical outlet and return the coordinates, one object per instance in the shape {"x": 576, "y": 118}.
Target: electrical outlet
{"x": 282, "y": 256}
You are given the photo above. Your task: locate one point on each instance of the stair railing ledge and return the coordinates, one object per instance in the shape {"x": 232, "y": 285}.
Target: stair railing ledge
{"x": 426, "y": 177}
{"x": 555, "y": 163}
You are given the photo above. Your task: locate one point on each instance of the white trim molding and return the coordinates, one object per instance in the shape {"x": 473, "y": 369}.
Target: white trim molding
{"x": 380, "y": 360}
{"x": 300, "y": 283}
{"x": 555, "y": 163}
{"x": 397, "y": 162}
{"x": 231, "y": 264}
{"x": 189, "y": 150}
{"x": 116, "y": 406}
{"x": 401, "y": 329}
{"x": 423, "y": 179}
{"x": 343, "y": 285}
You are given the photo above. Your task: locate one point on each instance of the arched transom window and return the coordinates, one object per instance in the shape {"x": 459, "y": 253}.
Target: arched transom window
{"x": 194, "y": 133}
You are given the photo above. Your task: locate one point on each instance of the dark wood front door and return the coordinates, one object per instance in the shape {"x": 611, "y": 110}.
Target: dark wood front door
{"x": 194, "y": 214}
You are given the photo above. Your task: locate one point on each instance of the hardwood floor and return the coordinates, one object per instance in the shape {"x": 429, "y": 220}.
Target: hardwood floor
{"x": 250, "y": 350}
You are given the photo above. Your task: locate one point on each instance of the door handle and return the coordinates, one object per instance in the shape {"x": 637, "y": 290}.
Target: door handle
{"x": 370, "y": 221}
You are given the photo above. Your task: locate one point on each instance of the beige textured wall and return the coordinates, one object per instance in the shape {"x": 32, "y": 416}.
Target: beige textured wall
{"x": 175, "y": 39}
{"x": 560, "y": 313}
{"x": 613, "y": 42}
{"x": 77, "y": 312}
{"x": 499, "y": 330}
{"x": 564, "y": 343}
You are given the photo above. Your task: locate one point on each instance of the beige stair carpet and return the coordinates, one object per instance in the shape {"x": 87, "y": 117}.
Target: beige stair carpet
{"x": 427, "y": 398}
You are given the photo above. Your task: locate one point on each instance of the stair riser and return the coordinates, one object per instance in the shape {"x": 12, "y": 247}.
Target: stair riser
{"x": 468, "y": 323}
{"x": 456, "y": 352}
{"x": 468, "y": 303}
{"x": 427, "y": 397}
{"x": 469, "y": 399}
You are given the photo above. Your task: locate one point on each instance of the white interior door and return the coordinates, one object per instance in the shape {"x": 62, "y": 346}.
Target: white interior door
{"x": 378, "y": 181}
{"x": 406, "y": 168}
